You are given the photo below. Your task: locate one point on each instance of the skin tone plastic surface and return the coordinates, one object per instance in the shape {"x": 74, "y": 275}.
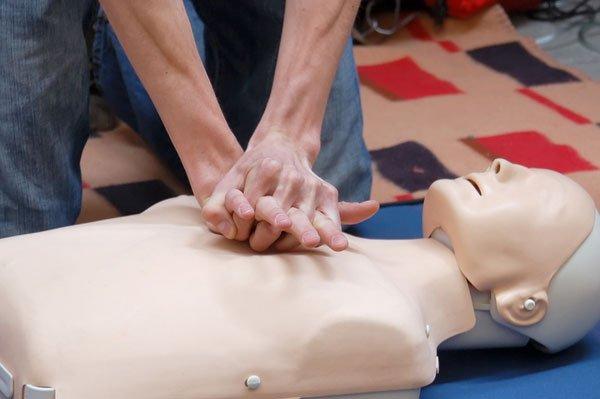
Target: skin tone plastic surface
{"x": 154, "y": 305}
{"x": 512, "y": 228}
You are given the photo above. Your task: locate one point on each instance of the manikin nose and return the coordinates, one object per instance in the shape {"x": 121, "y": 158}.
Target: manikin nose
{"x": 498, "y": 164}
{"x": 498, "y": 172}
{"x": 502, "y": 169}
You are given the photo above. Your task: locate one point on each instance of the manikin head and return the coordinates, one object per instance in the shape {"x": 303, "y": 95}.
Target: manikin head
{"x": 521, "y": 234}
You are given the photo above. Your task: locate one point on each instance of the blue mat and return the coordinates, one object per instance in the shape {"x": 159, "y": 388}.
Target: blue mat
{"x": 499, "y": 373}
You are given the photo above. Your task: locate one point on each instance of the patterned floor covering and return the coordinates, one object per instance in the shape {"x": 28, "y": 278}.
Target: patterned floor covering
{"x": 443, "y": 102}
{"x": 437, "y": 103}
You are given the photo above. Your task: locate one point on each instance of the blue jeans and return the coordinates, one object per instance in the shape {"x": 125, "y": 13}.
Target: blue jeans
{"x": 44, "y": 100}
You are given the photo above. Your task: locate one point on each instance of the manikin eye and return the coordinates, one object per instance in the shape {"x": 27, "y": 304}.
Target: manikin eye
{"x": 474, "y": 184}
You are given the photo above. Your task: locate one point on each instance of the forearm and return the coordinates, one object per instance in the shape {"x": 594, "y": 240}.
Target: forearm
{"x": 158, "y": 39}
{"x": 313, "y": 38}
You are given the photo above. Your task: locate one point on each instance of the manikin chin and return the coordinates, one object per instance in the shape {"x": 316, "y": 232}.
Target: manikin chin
{"x": 155, "y": 306}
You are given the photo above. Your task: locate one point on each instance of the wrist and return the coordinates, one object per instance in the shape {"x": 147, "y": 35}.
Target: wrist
{"x": 306, "y": 144}
{"x": 207, "y": 150}
{"x": 204, "y": 174}
{"x": 295, "y": 111}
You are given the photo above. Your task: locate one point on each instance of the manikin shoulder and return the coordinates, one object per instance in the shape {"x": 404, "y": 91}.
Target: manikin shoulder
{"x": 157, "y": 301}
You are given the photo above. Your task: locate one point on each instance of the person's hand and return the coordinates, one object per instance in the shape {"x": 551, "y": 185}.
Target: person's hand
{"x": 273, "y": 182}
{"x": 271, "y": 190}
{"x": 276, "y": 167}
{"x": 350, "y": 213}
{"x": 205, "y": 167}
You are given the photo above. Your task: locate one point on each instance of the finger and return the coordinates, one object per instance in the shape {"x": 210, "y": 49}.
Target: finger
{"x": 356, "y": 212}
{"x": 236, "y": 203}
{"x": 302, "y": 215}
{"x": 264, "y": 236}
{"x": 217, "y": 217}
{"x": 272, "y": 219}
{"x": 330, "y": 232}
{"x": 268, "y": 209}
{"x": 302, "y": 229}
{"x": 288, "y": 188}
{"x": 243, "y": 228}
{"x": 261, "y": 179}
{"x": 243, "y": 214}
{"x": 308, "y": 197}
{"x": 328, "y": 203}
{"x": 286, "y": 243}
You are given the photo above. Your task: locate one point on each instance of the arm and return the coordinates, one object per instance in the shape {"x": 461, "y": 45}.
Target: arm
{"x": 279, "y": 158}
{"x": 159, "y": 42}
{"x": 313, "y": 38}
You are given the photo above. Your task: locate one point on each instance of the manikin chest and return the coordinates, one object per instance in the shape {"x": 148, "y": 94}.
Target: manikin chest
{"x": 156, "y": 306}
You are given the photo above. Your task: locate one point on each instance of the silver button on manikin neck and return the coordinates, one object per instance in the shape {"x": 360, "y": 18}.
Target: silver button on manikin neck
{"x": 253, "y": 382}
{"x": 529, "y": 304}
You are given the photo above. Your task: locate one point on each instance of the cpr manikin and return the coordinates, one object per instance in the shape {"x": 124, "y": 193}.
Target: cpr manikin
{"x": 155, "y": 306}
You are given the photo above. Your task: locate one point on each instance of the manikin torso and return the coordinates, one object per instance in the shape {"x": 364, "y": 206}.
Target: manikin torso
{"x": 192, "y": 315}
{"x": 154, "y": 305}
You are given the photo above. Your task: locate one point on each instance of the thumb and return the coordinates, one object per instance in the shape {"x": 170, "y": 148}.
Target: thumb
{"x": 356, "y": 212}
{"x": 217, "y": 217}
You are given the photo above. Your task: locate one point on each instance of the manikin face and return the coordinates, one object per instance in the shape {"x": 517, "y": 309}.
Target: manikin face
{"x": 511, "y": 229}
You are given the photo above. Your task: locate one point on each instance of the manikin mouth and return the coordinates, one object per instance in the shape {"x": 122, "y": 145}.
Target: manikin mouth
{"x": 474, "y": 184}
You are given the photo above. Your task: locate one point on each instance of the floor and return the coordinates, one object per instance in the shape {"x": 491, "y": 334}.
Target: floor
{"x": 564, "y": 41}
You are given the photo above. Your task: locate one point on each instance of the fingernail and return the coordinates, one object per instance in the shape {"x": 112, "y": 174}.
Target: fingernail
{"x": 226, "y": 229}
{"x": 338, "y": 241}
{"x": 282, "y": 220}
{"x": 245, "y": 210}
{"x": 310, "y": 238}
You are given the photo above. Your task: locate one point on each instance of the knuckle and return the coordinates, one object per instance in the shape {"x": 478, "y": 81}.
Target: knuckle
{"x": 270, "y": 166}
{"x": 296, "y": 179}
{"x": 311, "y": 185}
{"x": 319, "y": 222}
{"x": 265, "y": 161}
{"x": 266, "y": 202}
{"x": 315, "y": 188}
{"x": 329, "y": 190}
{"x": 294, "y": 212}
{"x": 261, "y": 203}
{"x": 210, "y": 212}
{"x": 233, "y": 196}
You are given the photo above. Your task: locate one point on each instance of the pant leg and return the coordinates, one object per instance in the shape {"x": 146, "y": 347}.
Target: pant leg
{"x": 239, "y": 42}
{"x": 242, "y": 42}
{"x": 125, "y": 94}
{"x": 43, "y": 113}
{"x": 344, "y": 160}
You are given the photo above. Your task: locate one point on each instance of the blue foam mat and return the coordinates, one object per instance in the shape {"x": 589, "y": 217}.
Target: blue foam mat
{"x": 499, "y": 373}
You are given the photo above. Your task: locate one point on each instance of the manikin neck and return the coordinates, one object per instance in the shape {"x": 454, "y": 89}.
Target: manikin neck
{"x": 487, "y": 333}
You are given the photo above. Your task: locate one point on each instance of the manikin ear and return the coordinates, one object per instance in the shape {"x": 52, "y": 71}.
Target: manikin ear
{"x": 521, "y": 307}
